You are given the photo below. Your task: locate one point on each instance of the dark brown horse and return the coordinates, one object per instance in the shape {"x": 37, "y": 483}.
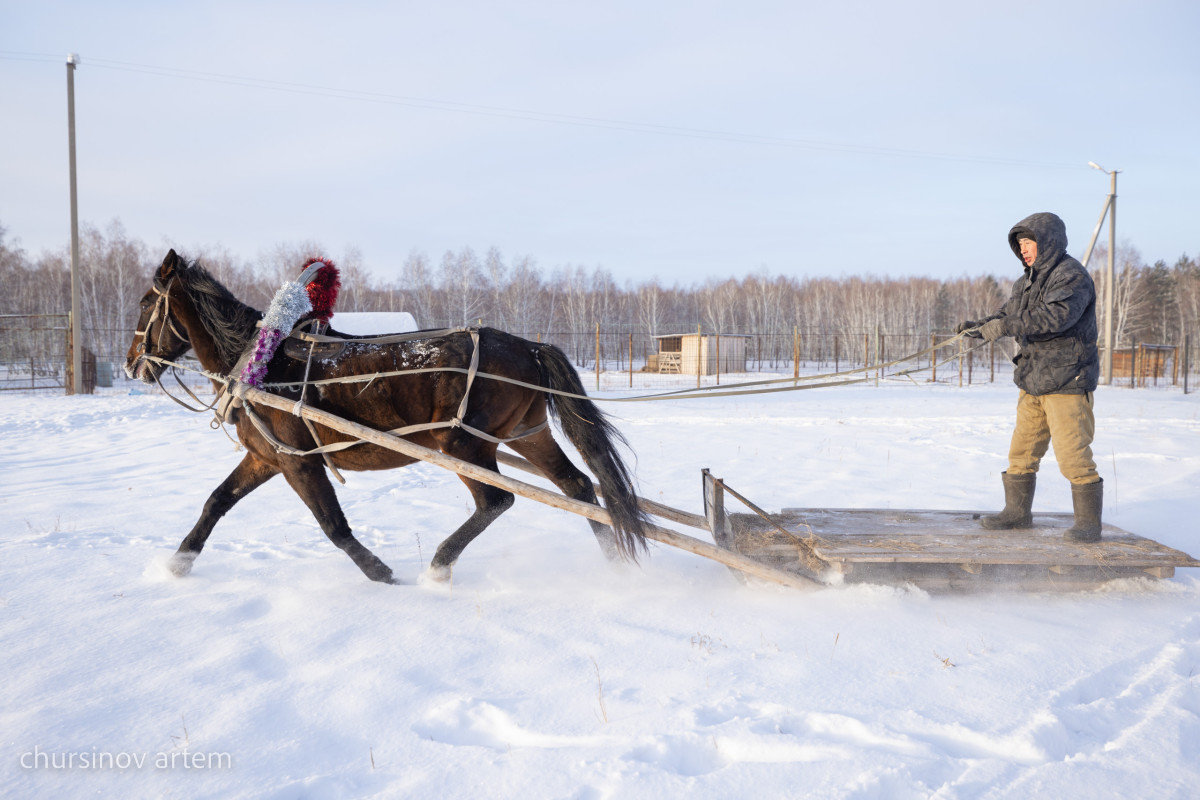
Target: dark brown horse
{"x": 187, "y": 309}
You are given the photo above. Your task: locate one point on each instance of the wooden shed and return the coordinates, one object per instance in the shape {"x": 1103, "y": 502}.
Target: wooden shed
{"x": 1145, "y": 362}
{"x": 685, "y": 353}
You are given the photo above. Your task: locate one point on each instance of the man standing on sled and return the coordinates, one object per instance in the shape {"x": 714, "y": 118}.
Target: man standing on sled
{"x": 1052, "y": 315}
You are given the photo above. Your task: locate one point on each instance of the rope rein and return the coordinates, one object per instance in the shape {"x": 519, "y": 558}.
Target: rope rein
{"x": 678, "y": 394}
{"x": 231, "y": 393}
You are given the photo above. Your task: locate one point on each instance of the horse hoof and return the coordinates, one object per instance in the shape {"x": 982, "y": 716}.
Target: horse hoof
{"x": 181, "y": 564}
{"x": 382, "y": 575}
{"x": 440, "y": 575}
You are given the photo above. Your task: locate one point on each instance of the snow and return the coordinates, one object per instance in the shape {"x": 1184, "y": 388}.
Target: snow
{"x": 275, "y": 670}
{"x": 370, "y": 323}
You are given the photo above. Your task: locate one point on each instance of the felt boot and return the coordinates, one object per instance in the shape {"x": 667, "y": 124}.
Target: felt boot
{"x": 1088, "y": 500}
{"x": 1018, "y": 504}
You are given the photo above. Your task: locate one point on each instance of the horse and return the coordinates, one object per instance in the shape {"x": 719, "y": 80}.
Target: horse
{"x": 186, "y": 309}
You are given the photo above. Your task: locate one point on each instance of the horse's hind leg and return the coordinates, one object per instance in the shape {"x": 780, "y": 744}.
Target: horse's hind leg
{"x": 309, "y": 480}
{"x": 544, "y": 453}
{"x": 490, "y": 502}
{"x": 245, "y": 478}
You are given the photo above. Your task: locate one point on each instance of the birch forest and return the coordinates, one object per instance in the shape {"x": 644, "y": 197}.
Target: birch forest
{"x": 569, "y": 303}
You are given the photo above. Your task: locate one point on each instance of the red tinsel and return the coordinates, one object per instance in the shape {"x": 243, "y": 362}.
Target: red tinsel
{"x": 323, "y": 289}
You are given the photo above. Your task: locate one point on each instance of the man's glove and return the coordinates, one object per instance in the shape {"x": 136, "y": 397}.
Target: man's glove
{"x": 993, "y": 330}
{"x": 967, "y": 325}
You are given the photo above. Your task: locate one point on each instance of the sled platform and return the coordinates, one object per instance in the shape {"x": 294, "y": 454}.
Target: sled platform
{"x": 936, "y": 550}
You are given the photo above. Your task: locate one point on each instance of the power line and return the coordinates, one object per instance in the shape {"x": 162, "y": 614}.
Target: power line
{"x": 555, "y": 118}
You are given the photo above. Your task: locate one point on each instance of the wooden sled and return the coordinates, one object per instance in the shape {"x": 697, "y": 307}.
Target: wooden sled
{"x": 935, "y": 550}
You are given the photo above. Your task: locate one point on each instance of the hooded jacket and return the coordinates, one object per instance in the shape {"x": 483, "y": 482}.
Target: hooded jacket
{"x": 1051, "y": 314}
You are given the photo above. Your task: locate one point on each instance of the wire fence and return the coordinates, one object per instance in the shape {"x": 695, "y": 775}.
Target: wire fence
{"x": 34, "y": 348}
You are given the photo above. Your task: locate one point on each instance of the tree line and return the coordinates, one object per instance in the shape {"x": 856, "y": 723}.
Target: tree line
{"x": 1153, "y": 302}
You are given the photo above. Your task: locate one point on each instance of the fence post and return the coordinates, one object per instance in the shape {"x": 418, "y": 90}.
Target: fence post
{"x": 795, "y": 354}
{"x": 699, "y": 353}
{"x": 597, "y": 356}
{"x": 631, "y": 360}
{"x": 878, "y": 354}
{"x": 718, "y": 356}
{"x": 933, "y": 357}
{"x": 1187, "y": 353}
{"x": 960, "y": 363}
{"x": 1133, "y": 363}
{"x": 69, "y": 366}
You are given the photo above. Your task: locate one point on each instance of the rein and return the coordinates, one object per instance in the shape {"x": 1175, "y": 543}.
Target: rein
{"x": 678, "y": 394}
{"x": 730, "y": 390}
{"x": 232, "y": 391}
{"x": 175, "y": 372}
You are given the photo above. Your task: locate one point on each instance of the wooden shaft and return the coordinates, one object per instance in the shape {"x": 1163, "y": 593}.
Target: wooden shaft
{"x": 492, "y": 478}
{"x": 649, "y": 506}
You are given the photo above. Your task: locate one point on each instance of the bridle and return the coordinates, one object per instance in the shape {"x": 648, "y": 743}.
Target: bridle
{"x": 162, "y": 307}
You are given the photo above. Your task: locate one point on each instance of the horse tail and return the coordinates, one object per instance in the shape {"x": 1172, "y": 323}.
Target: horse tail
{"x": 596, "y": 439}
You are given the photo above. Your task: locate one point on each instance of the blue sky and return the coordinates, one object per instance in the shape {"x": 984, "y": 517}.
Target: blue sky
{"x": 682, "y": 140}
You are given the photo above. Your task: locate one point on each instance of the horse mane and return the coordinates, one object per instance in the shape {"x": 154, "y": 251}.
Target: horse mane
{"x": 230, "y": 322}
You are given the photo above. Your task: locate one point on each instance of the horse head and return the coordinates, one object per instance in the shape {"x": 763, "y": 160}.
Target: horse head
{"x": 160, "y": 335}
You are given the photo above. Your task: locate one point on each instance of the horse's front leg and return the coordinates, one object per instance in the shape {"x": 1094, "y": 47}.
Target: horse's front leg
{"x": 308, "y": 478}
{"x": 245, "y": 478}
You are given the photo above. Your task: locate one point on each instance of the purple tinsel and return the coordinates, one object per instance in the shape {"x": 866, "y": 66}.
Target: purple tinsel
{"x": 264, "y": 349}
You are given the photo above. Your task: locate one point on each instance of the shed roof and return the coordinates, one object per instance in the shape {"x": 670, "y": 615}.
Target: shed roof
{"x": 371, "y": 323}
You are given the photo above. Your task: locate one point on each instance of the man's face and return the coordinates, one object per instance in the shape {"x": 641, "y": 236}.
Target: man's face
{"x": 1028, "y": 251}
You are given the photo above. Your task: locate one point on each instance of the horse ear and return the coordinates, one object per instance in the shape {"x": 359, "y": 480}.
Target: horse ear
{"x": 168, "y": 266}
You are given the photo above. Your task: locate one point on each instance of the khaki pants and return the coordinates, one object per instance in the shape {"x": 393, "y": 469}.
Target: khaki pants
{"x": 1065, "y": 419}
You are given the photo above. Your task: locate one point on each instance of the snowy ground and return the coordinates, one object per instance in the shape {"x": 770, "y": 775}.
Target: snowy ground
{"x": 277, "y": 671}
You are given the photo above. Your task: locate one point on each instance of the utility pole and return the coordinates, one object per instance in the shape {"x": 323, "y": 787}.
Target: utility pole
{"x": 1110, "y": 209}
{"x": 76, "y": 386}
{"x": 1110, "y": 279}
